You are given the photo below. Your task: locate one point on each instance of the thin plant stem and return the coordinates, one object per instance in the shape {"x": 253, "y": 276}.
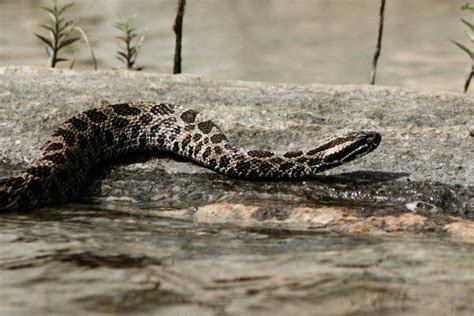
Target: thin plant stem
{"x": 129, "y": 52}
{"x": 178, "y": 30}
{"x": 468, "y": 79}
{"x": 378, "y": 48}
{"x": 86, "y": 39}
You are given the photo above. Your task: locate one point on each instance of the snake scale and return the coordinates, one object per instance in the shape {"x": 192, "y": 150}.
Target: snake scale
{"x": 59, "y": 171}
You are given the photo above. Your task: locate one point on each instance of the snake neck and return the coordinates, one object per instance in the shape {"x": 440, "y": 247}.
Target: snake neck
{"x": 256, "y": 164}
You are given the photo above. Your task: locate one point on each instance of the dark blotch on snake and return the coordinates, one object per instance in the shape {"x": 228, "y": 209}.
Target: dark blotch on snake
{"x": 223, "y": 162}
{"x": 264, "y": 167}
{"x": 314, "y": 161}
{"x": 135, "y": 131}
{"x": 241, "y": 166}
{"x": 96, "y": 116}
{"x": 218, "y": 138}
{"x": 285, "y": 166}
{"x": 298, "y": 171}
{"x": 125, "y": 109}
{"x": 162, "y": 109}
{"x": 293, "y": 154}
{"x": 160, "y": 140}
{"x": 276, "y": 160}
{"x": 78, "y": 124}
{"x": 119, "y": 122}
{"x": 206, "y": 153}
{"x": 155, "y": 128}
{"x": 54, "y": 147}
{"x": 186, "y": 141}
{"x": 217, "y": 150}
{"x": 198, "y": 148}
{"x": 189, "y": 116}
{"x": 252, "y": 174}
{"x": 260, "y": 154}
{"x": 212, "y": 163}
{"x": 146, "y": 118}
{"x": 168, "y": 122}
{"x": 206, "y": 127}
{"x": 302, "y": 160}
{"x": 175, "y": 146}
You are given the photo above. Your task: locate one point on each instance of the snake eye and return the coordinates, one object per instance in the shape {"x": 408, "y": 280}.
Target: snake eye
{"x": 373, "y": 138}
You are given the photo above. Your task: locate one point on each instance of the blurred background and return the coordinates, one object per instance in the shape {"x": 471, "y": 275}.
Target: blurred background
{"x": 293, "y": 41}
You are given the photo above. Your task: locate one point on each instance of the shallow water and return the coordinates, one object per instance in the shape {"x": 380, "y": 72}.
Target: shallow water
{"x": 90, "y": 260}
{"x": 303, "y": 41}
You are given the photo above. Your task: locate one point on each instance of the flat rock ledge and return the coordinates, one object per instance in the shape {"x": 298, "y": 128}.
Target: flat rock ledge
{"x": 155, "y": 233}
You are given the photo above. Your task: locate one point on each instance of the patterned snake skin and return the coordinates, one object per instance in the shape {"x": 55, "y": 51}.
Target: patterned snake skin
{"x": 59, "y": 172}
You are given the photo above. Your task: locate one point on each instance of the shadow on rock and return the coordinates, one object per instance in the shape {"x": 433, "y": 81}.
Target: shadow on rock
{"x": 361, "y": 177}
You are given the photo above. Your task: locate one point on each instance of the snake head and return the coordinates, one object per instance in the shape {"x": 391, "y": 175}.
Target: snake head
{"x": 347, "y": 147}
{"x": 357, "y": 144}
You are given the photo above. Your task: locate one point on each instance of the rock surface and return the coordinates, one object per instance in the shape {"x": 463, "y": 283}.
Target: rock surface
{"x": 392, "y": 231}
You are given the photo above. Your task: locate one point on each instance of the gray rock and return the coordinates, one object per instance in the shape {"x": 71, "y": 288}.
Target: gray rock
{"x": 155, "y": 233}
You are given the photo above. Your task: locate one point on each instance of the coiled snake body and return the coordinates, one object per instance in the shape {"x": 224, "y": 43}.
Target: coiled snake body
{"x": 57, "y": 174}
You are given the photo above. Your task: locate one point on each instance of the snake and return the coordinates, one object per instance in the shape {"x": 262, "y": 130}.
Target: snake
{"x": 58, "y": 173}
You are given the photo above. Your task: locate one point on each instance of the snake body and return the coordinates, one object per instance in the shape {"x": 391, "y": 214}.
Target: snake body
{"x": 59, "y": 171}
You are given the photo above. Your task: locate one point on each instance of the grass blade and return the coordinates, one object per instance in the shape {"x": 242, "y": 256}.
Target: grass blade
{"x": 61, "y": 59}
{"x": 465, "y": 49}
{"x": 86, "y": 39}
{"x": 47, "y": 27}
{"x": 469, "y": 25}
{"x": 65, "y": 7}
{"x": 45, "y": 40}
{"x": 68, "y": 42}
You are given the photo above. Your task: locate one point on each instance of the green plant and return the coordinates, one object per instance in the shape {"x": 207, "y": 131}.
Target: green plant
{"x": 128, "y": 53}
{"x": 469, "y": 49}
{"x": 59, "y": 31}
